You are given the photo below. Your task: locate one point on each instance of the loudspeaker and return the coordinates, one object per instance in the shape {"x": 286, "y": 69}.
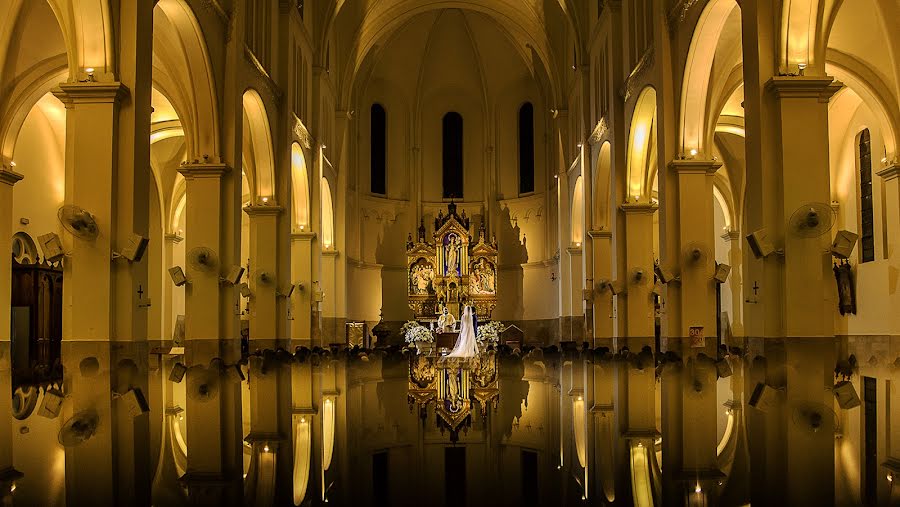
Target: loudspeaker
{"x": 135, "y": 402}
{"x": 234, "y": 372}
{"x": 51, "y": 404}
{"x": 723, "y": 368}
{"x": 134, "y": 250}
{"x": 760, "y": 243}
{"x": 664, "y": 275}
{"x": 51, "y": 246}
{"x": 234, "y": 275}
{"x": 722, "y": 271}
{"x": 177, "y": 373}
{"x": 843, "y": 244}
{"x": 846, "y": 395}
{"x": 763, "y": 397}
{"x": 245, "y": 290}
{"x": 177, "y": 275}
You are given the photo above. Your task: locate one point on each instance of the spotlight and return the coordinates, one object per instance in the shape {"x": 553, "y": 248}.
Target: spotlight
{"x": 693, "y": 152}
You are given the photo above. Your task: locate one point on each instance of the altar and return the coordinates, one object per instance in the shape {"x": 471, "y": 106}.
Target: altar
{"x": 450, "y": 270}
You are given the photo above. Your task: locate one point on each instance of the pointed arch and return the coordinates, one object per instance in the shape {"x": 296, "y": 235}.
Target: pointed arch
{"x": 300, "y": 186}
{"x": 641, "y": 143}
{"x": 88, "y": 31}
{"x": 601, "y": 190}
{"x": 259, "y": 140}
{"x": 327, "y": 216}
{"x": 577, "y": 219}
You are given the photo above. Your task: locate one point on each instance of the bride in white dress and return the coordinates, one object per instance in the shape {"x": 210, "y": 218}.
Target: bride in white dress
{"x": 466, "y": 345}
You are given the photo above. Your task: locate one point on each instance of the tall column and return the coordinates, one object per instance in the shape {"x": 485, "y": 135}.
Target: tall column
{"x": 268, "y": 438}
{"x": 735, "y": 281}
{"x": 891, "y": 184}
{"x": 564, "y": 228}
{"x": 213, "y": 464}
{"x": 640, "y": 409}
{"x": 263, "y": 280}
{"x": 8, "y": 474}
{"x": 602, "y": 302}
{"x": 302, "y": 301}
{"x": 169, "y": 300}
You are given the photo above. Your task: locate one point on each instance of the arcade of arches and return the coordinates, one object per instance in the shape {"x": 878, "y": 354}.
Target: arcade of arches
{"x": 235, "y": 225}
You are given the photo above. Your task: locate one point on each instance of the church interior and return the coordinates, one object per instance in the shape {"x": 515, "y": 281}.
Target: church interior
{"x": 666, "y": 231}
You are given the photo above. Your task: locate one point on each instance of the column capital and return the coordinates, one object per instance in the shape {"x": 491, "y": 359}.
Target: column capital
{"x": 303, "y": 236}
{"x": 195, "y": 170}
{"x": 731, "y": 235}
{"x": 90, "y": 93}
{"x": 174, "y": 238}
{"x": 803, "y": 87}
{"x": 600, "y": 234}
{"x": 10, "y": 177}
{"x": 890, "y": 172}
{"x": 255, "y": 210}
{"x": 694, "y": 166}
{"x": 638, "y": 208}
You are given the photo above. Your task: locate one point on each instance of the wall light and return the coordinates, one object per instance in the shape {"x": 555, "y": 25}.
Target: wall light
{"x": 801, "y": 67}
{"x": 890, "y": 477}
{"x": 693, "y": 152}
{"x": 555, "y": 176}
{"x": 12, "y": 163}
{"x": 90, "y": 73}
{"x": 265, "y": 200}
{"x": 697, "y": 489}
{"x": 266, "y": 448}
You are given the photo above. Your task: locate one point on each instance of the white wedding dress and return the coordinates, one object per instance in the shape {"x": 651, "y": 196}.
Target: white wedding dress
{"x": 466, "y": 345}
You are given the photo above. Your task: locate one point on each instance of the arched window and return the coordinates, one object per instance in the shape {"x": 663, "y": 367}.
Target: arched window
{"x": 327, "y": 215}
{"x": 526, "y": 148}
{"x": 300, "y": 184}
{"x": 378, "y": 146}
{"x": 453, "y": 156}
{"x": 866, "y": 210}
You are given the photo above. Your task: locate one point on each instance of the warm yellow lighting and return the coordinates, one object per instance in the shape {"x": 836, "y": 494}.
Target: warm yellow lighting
{"x": 266, "y": 448}
{"x": 555, "y": 176}
{"x": 12, "y": 163}
{"x": 640, "y": 444}
{"x": 802, "y": 68}
{"x": 245, "y": 476}
{"x": 693, "y": 152}
{"x": 12, "y": 488}
{"x": 890, "y": 477}
{"x": 265, "y": 200}
{"x": 697, "y": 489}
{"x": 578, "y": 244}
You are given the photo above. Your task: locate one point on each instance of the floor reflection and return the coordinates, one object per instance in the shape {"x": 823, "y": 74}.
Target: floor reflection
{"x": 207, "y": 425}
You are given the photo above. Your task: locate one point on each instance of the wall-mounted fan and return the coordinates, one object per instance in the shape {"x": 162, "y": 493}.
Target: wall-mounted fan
{"x": 264, "y": 278}
{"x": 694, "y": 254}
{"x": 78, "y": 222}
{"x": 812, "y": 417}
{"x": 202, "y": 259}
{"x": 79, "y": 428}
{"x": 811, "y": 220}
{"x": 203, "y": 384}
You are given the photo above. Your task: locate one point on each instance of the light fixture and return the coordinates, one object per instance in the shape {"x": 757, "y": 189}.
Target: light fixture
{"x": 693, "y": 152}
{"x": 578, "y": 244}
{"x": 580, "y": 144}
{"x": 12, "y": 163}
{"x": 265, "y": 200}
{"x": 266, "y": 448}
{"x": 640, "y": 444}
{"x": 12, "y": 488}
{"x": 883, "y": 161}
{"x": 801, "y": 68}
{"x": 697, "y": 489}
{"x": 890, "y": 477}
{"x": 555, "y": 176}
{"x": 323, "y": 146}
{"x": 637, "y": 197}
{"x": 90, "y": 73}
{"x": 302, "y": 227}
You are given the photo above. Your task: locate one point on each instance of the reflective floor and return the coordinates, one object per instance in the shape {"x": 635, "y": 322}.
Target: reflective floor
{"x": 762, "y": 422}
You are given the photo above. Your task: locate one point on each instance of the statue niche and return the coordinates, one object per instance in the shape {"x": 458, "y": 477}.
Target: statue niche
{"x": 450, "y": 270}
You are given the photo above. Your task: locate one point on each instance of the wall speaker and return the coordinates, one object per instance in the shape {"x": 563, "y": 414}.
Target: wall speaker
{"x": 722, "y": 271}
{"x": 177, "y": 275}
{"x": 51, "y": 246}
{"x": 723, "y": 368}
{"x": 135, "y": 402}
{"x": 177, "y": 373}
{"x": 134, "y": 250}
{"x": 245, "y": 290}
{"x": 234, "y": 372}
{"x": 846, "y": 395}
{"x": 760, "y": 244}
{"x": 51, "y": 404}
{"x": 843, "y": 244}
{"x": 763, "y": 397}
{"x": 234, "y": 275}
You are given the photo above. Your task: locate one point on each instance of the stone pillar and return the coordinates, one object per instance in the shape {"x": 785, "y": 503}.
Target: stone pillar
{"x": 735, "y": 281}
{"x": 573, "y": 329}
{"x": 7, "y": 180}
{"x": 263, "y": 279}
{"x": 302, "y": 300}
{"x": 8, "y": 474}
{"x": 602, "y": 301}
{"x": 640, "y": 408}
{"x": 564, "y": 239}
{"x": 214, "y": 460}
{"x": 891, "y": 184}
{"x": 268, "y": 439}
{"x": 169, "y": 300}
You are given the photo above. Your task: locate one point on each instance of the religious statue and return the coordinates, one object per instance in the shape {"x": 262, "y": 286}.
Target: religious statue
{"x": 420, "y": 278}
{"x": 446, "y": 321}
{"x": 452, "y": 255}
{"x": 482, "y": 278}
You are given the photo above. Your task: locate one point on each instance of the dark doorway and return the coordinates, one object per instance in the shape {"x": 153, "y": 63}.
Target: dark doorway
{"x": 871, "y": 437}
{"x": 455, "y": 476}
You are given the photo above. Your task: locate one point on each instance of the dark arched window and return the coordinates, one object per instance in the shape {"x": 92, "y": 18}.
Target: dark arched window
{"x": 526, "y": 148}
{"x": 866, "y": 210}
{"x": 453, "y": 156}
{"x": 378, "y": 144}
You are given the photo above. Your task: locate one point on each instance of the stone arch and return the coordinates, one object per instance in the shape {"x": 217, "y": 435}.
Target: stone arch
{"x": 577, "y": 219}
{"x": 601, "y": 190}
{"x": 300, "y": 186}
{"x": 641, "y": 144}
{"x": 327, "y": 215}
{"x": 257, "y": 138}
{"x": 90, "y": 39}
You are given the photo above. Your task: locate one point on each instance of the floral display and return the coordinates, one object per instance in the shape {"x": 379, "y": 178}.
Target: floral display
{"x": 489, "y": 332}
{"x": 415, "y": 332}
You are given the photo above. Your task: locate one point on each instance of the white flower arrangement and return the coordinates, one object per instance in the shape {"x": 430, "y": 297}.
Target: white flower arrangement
{"x": 489, "y": 332}
{"x": 415, "y": 332}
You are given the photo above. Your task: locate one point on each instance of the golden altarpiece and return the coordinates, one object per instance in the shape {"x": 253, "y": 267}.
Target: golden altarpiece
{"x": 451, "y": 270}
